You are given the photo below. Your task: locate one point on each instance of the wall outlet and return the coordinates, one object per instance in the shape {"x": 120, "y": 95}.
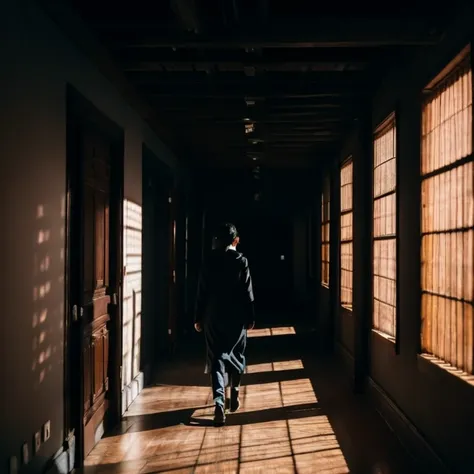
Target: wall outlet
{"x": 25, "y": 454}
{"x": 46, "y": 431}
{"x": 13, "y": 465}
{"x": 37, "y": 441}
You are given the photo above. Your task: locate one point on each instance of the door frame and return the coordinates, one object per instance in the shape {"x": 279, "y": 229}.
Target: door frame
{"x": 81, "y": 114}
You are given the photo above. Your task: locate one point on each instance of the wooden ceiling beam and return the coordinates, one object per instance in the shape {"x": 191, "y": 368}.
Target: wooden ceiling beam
{"x": 155, "y": 80}
{"x": 133, "y": 58}
{"x": 317, "y": 33}
{"x": 238, "y": 104}
{"x": 243, "y": 112}
{"x": 248, "y": 94}
{"x": 191, "y": 121}
{"x": 239, "y": 116}
{"x": 249, "y": 88}
{"x": 232, "y": 66}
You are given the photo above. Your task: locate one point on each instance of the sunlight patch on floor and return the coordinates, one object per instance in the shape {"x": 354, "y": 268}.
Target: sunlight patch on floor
{"x": 274, "y": 366}
{"x": 277, "y": 331}
{"x": 263, "y": 437}
{"x": 303, "y": 445}
{"x": 277, "y": 395}
{"x": 267, "y": 396}
{"x": 164, "y": 398}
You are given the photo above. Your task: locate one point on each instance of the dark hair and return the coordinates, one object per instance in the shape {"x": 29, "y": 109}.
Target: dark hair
{"x": 226, "y": 233}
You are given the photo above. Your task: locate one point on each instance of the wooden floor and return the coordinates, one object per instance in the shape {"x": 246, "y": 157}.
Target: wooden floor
{"x": 298, "y": 415}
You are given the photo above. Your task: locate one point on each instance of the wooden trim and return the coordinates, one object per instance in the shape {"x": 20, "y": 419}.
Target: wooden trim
{"x": 346, "y": 161}
{"x": 70, "y": 176}
{"x": 424, "y": 456}
{"x": 448, "y": 69}
{"x": 471, "y": 59}
{"x": 73, "y": 386}
{"x": 384, "y": 125}
{"x": 397, "y": 230}
{"x": 116, "y": 275}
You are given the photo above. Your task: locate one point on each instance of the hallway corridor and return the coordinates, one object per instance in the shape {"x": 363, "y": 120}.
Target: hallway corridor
{"x": 333, "y": 141}
{"x": 298, "y": 414}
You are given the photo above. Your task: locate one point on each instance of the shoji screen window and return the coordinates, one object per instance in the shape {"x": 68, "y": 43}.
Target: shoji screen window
{"x": 346, "y": 235}
{"x": 448, "y": 217}
{"x": 384, "y": 228}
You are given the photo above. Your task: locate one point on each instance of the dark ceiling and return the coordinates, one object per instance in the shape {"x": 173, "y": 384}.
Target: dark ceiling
{"x": 239, "y": 82}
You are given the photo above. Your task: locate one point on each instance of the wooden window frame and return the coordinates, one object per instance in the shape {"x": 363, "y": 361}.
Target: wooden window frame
{"x": 385, "y": 127}
{"x": 442, "y": 355}
{"x": 344, "y": 212}
{"x": 326, "y": 236}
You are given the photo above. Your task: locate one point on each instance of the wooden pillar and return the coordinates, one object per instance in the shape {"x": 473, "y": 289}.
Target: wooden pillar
{"x": 409, "y": 226}
{"x": 172, "y": 309}
{"x": 362, "y": 251}
{"x": 334, "y": 268}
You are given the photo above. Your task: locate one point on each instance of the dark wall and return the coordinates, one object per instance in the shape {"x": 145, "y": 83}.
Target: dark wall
{"x": 437, "y": 402}
{"x": 440, "y": 404}
{"x": 33, "y": 206}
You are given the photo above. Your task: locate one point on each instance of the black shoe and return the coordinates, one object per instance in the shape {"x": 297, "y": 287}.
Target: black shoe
{"x": 219, "y": 415}
{"x": 234, "y": 400}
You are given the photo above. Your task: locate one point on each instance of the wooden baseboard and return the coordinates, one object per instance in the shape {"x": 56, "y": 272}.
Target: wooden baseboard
{"x": 426, "y": 459}
{"x": 131, "y": 391}
{"x": 63, "y": 461}
{"x": 346, "y": 357}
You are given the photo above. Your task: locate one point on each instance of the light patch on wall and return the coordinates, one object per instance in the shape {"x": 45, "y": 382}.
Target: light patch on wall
{"x": 43, "y": 236}
{"x": 48, "y": 291}
{"x": 132, "y": 295}
{"x": 282, "y": 257}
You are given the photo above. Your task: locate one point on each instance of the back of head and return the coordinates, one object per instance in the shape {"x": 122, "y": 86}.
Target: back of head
{"x": 226, "y": 234}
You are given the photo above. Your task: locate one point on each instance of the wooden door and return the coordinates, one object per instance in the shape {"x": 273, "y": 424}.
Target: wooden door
{"x": 96, "y": 293}
{"x": 94, "y": 275}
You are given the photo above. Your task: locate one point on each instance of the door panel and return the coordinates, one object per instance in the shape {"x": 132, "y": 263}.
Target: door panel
{"x": 96, "y": 291}
{"x": 87, "y": 351}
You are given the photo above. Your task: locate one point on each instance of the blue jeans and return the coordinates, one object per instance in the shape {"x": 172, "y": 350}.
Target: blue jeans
{"x": 222, "y": 374}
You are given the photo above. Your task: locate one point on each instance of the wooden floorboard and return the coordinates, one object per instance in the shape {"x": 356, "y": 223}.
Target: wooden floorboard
{"x": 298, "y": 415}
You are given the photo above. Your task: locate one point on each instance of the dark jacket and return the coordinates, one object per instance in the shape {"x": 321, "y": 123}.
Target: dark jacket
{"x": 225, "y": 293}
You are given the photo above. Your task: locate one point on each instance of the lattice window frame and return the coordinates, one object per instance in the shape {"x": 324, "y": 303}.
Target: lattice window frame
{"x": 436, "y": 340}
{"x": 346, "y": 259}
{"x": 385, "y": 241}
